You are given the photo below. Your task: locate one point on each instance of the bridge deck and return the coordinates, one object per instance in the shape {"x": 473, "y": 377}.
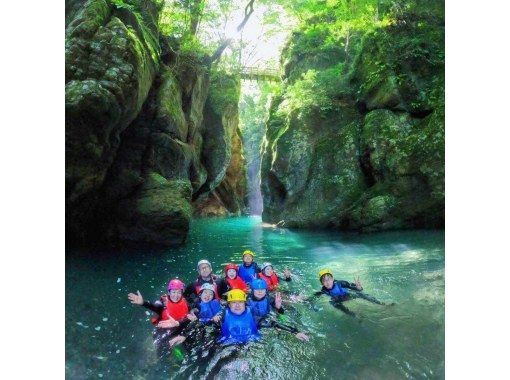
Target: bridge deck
{"x": 255, "y": 73}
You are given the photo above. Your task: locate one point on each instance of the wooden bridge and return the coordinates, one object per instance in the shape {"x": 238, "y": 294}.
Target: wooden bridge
{"x": 256, "y": 73}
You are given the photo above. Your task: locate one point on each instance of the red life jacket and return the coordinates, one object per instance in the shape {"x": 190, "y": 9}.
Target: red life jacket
{"x": 176, "y": 310}
{"x": 236, "y": 283}
{"x": 272, "y": 281}
{"x": 198, "y": 285}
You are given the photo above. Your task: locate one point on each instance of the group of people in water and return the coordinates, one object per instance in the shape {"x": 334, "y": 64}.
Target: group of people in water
{"x": 234, "y": 307}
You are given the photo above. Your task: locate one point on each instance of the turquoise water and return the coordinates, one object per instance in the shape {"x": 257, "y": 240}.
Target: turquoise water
{"x": 107, "y": 337}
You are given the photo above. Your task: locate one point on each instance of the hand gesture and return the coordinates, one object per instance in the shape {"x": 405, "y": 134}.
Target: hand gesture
{"x": 192, "y": 317}
{"x": 278, "y": 300}
{"x": 168, "y": 324}
{"x": 357, "y": 282}
{"x": 177, "y": 340}
{"x": 302, "y": 336}
{"x": 217, "y": 318}
{"x": 137, "y": 299}
{"x": 286, "y": 273}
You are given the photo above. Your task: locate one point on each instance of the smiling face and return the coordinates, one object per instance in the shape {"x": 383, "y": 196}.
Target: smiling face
{"x": 204, "y": 270}
{"x": 268, "y": 271}
{"x": 231, "y": 273}
{"x": 259, "y": 293}
{"x": 237, "y": 307}
{"x": 206, "y": 295}
{"x": 175, "y": 295}
{"x": 327, "y": 281}
{"x": 247, "y": 259}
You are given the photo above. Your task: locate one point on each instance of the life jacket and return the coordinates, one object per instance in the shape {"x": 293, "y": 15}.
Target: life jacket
{"x": 248, "y": 274}
{"x": 272, "y": 281}
{"x": 260, "y": 308}
{"x": 336, "y": 290}
{"x": 236, "y": 283}
{"x": 176, "y": 310}
{"x": 199, "y": 282}
{"x": 208, "y": 310}
{"x": 238, "y": 328}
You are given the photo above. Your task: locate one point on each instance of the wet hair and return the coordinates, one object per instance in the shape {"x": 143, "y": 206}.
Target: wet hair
{"x": 326, "y": 275}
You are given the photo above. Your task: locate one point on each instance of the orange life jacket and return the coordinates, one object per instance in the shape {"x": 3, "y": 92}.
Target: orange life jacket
{"x": 236, "y": 283}
{"x": 272, "y": 281}
{"x": 176, "y": 310}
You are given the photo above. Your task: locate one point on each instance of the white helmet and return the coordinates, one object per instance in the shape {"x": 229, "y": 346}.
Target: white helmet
{"x": 204, "y": 262}
{"x": 265, "y": 265}
{"x": 206, "y": 286}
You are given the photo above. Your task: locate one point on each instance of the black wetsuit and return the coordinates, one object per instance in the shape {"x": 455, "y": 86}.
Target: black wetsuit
{"x": 337, "y": 301}
{"x": 265, "y": 321}
{"x": 162, "y": 336}
{"x": 190, "y": 293}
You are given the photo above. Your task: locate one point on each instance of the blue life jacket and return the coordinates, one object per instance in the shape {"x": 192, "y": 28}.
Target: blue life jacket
{"x": 336, "y": 290}
{"x": 260, "y": 308}
{"x": 208, "y": 310}
{"x": 248, "y": 274}
{"x": 238, "y": 328}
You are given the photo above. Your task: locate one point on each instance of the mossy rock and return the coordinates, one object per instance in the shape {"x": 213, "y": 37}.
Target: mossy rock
{"x": 160, "y": 212}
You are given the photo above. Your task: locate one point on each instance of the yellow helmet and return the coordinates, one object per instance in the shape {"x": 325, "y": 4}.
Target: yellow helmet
{"x": 248, "y": 252}
{"x": 236, "y": 295}
{"x": 322, "y": 272}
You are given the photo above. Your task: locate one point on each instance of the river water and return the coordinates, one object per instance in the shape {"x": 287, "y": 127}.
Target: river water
{"x": 107, "y": 337}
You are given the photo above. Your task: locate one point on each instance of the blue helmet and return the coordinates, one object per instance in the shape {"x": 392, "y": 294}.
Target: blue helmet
{"x": 258, "y": 284}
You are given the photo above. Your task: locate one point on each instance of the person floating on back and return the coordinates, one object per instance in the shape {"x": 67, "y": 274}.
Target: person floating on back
{"x": 249, "y": 269}
{"x": 341, "y": 291}
{"x": 239, "y": 325}
{"x": 261, "y": 305}
{"x": 271, "y": 278}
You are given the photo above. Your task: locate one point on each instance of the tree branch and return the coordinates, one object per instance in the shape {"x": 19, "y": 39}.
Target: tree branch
{"x": 248, "y": 10}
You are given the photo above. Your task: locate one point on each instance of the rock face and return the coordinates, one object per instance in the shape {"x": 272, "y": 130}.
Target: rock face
{"x": 225, "y": 188}
{"x": 364, "y": 148}
{"x": 135, "y": 131}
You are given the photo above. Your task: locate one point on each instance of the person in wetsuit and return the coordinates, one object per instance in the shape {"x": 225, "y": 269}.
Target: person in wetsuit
{"x": 341, "y": 291}
{"x": 204, "y": 268}
{"x": 272, "y": 280}
{"x": 172, "y": 315}
{"x": 249, "y": 269}
{"x": 261, "y": 305}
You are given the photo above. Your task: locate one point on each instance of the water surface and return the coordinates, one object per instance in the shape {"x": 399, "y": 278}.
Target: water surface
{"x": 107, "y": 337}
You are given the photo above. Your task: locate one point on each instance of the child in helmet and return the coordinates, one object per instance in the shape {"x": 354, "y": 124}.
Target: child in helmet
{"x": 172, "y": 314}
{"x": 209, "y": 309}
{"x": 339, "y": 291}
{"x": 249, "y": 269}
{"x": 232, "y": 280}
{"x": 261, "y": 304}
{"x": 271, "y": 278}
{"x": 239, "y": 325}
